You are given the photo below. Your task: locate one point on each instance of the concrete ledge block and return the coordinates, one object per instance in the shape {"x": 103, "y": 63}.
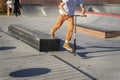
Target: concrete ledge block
{"x": 35, "y": 38}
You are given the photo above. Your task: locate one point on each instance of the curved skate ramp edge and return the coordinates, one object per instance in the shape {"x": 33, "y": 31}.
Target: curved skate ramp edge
{"x": 36, "y": 10}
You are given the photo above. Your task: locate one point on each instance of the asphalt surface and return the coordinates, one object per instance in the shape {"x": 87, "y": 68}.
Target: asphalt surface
{"x": 97, "y": 59}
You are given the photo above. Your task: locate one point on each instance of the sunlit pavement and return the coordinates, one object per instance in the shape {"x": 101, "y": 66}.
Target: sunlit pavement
{"x": 97, "y": 59}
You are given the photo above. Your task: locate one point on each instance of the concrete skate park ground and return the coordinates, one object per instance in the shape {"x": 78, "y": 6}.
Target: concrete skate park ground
{"x": 97, "y": 59}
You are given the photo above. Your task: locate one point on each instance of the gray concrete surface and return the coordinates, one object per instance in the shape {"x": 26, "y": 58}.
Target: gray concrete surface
{"x": 99, "y": 22}
{"x": 97, "y": 59}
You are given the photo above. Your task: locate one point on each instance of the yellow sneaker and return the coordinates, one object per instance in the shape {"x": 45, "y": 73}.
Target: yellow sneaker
{"x": 67, "y": 47}
{"x": 52, "y": 35}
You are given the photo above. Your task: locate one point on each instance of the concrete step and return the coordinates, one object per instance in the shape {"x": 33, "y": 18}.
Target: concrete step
{"x": 98, "y": 32}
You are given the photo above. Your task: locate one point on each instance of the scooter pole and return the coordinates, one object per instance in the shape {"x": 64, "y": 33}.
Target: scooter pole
{"x": 75, "y": 34}
{"x": 75, "y": 22}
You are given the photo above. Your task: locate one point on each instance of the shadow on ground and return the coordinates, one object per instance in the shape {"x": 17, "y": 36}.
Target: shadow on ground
{"x": 106, "y": 49}
{"x": 7, "y": 48}
{"x": 30, "y": 72}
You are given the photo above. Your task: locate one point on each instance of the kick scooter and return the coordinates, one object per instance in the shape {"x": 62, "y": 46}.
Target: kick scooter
{"x": 74, "y": 24}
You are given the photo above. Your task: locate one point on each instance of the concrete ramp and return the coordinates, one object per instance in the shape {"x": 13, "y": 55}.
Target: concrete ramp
{"x": 36, "y": 10}
{"x": 32, "y": 10}
{"x": 40, "y": 10}
{"x": 99, "y": 25}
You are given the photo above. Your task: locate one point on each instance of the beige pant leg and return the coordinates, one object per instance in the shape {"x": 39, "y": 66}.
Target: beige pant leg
{"x": 70, "y": 28}
{"x": 8, "y": 11}
{"x": 61, "y": 19}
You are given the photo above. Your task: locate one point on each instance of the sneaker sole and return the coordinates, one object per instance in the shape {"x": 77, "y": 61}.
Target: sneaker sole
{"x": 71, "y": 50}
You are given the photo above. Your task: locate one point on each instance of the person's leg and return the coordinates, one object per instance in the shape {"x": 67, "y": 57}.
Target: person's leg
{"x": 19, "y": 11}
{"x": 69, "y": 33}
{"x": 61, "y": 19}
{"x": 70, "y": 28}
{"x": 15, "y": 11}
{"x": 8, "y": 11}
